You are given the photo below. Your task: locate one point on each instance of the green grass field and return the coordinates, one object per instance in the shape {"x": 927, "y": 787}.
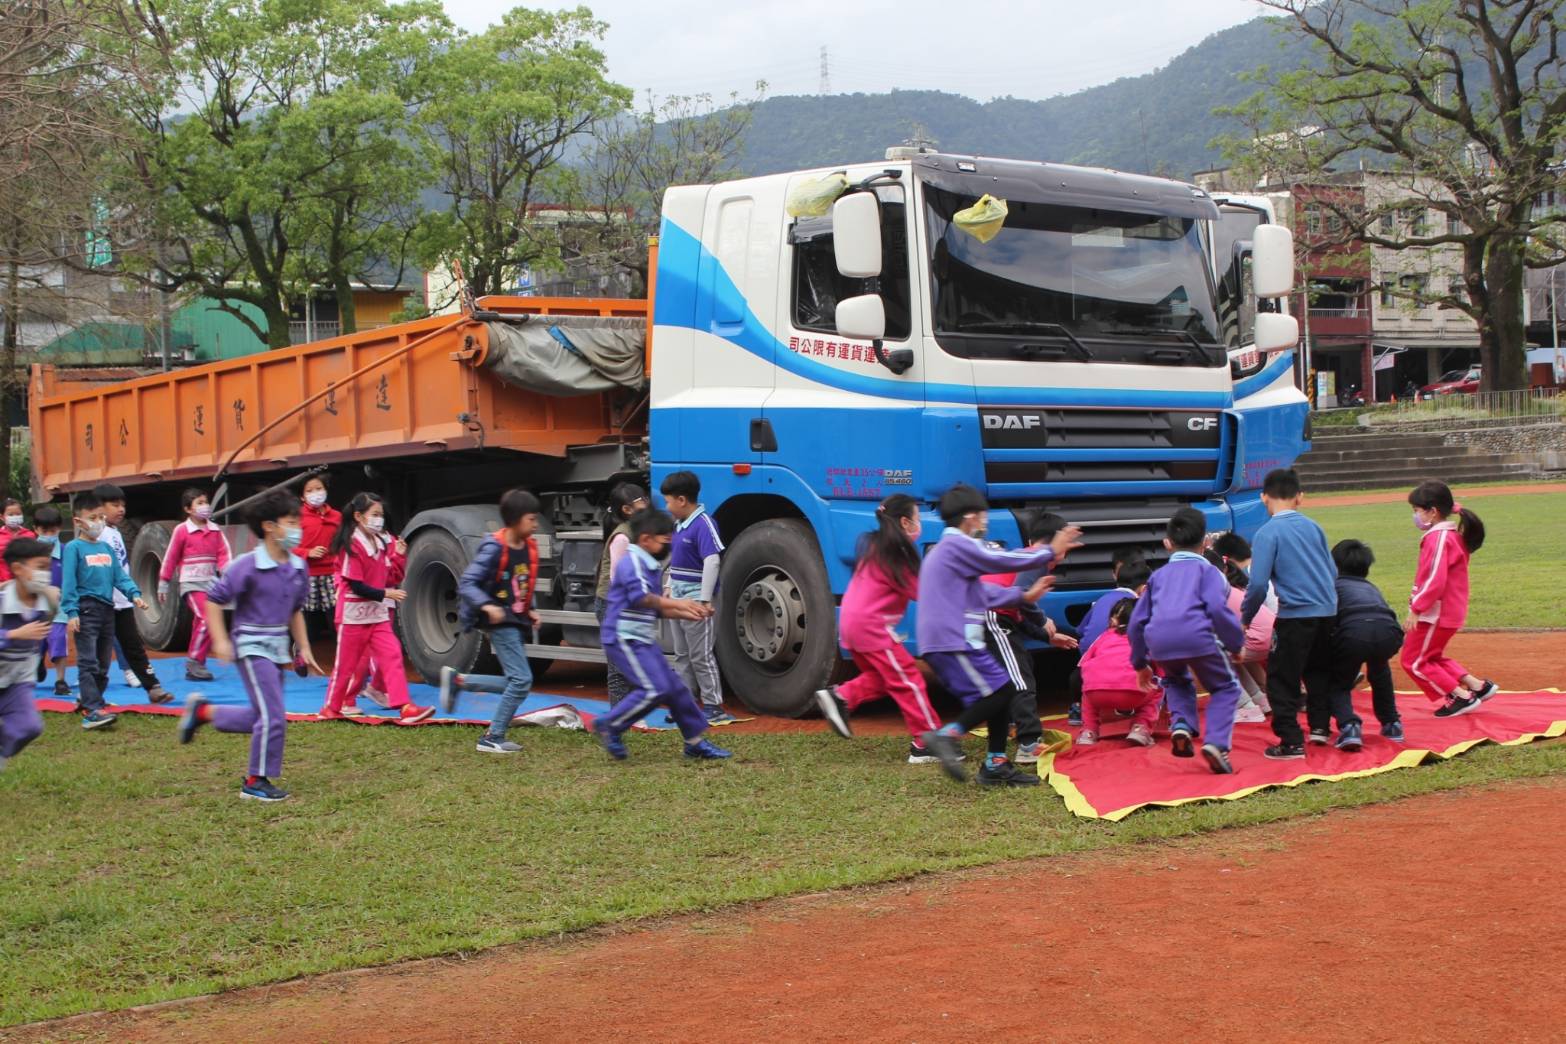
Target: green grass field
{"x": 1516, "y": 578}
{"x": 132, "y": 873}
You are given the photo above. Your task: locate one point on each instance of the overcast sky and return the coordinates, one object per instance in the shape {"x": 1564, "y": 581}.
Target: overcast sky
{"x": 979, "y": 48}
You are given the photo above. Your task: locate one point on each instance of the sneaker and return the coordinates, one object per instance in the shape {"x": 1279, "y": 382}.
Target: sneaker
{"x": 1029, "y": 753}
{"x": 1285, "y": 752}
{"x": 718, "y": 716}
{"x": 918, "y": 755}
{"x": 412, "y": 714}
{"x": 1086, "y": 738}
{"x": 1456, "y": 705}
{"x": 1074, "y": 714}
{"x": 158, "y": 694}
{"x": 1350, "y": 738}
{"x": 351, "y": 710}
{"x": 132, "y": 680}
{"x": 1141, "y": 735}
{"x": 448, "y": 689}
{"x": 488, "y": 744}
{"x": 1004, "y": 774}
{"x": 613, "y": 745}
{"x": 61, "y": 688}
{"x": 1250, "y": 714}
{"x": 376, "y": 697}
{"x": 1485, "y": 691}
{"x": 328, "y": 714}
{"x": 1320, "y": 737}
{"x": 834, "y": 710}
{"x": 98, "y": 719}
{"x": 261, "y": 790}
{"x": 190, "y": 720}
{"x": 1393, "y": 732}
{"x": 197, "y": 672}
{"x": 1217, "y": 759}
{"x": 946, "y": 750}
{"x": 1182, "y": 740}
{"x": 703, "y": 750}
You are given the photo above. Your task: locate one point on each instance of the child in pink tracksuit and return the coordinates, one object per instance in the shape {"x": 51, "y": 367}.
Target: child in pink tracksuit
{"x": 886, "y": 579}
{"x": 198, "y": 552}
{"x": 372, "y": 566}
{"x": 1439, "y": 605}
{"x": 1109, "y": 682}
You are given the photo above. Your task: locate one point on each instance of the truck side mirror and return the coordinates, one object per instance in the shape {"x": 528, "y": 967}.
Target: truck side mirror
{"x": 862, "y": 317}
{"x": 1272, "y": 260}
{"x": 1276, "y": 333}
{"x": 856, "y": 235}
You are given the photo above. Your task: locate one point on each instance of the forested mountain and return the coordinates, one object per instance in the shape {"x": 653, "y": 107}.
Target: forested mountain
{"x": 1159, "y": 122}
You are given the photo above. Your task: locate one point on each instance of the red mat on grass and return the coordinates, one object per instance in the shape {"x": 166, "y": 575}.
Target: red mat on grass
{"x": 1113, "y": 778}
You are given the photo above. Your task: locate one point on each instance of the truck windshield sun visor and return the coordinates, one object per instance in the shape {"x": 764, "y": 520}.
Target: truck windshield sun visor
{"x": 1072, "y": 282}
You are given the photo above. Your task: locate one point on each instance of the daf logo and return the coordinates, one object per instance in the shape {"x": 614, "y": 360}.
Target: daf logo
{"x": 1201, "y": 423}
{"x": 1012, "y": 421}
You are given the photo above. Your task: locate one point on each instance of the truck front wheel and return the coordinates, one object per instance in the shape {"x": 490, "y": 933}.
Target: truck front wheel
{"x": 163, "y": 625}
{"x": 776, "y": 619}
{"x": 431, "y": 635}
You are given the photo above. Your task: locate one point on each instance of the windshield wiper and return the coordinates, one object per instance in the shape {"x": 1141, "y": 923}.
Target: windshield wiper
{"x": 1080, "y": 350}
{"x": 1201, "y": 351}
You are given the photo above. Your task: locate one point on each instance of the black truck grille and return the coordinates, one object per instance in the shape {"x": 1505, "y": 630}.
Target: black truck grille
{"x": 1106, "y": 525}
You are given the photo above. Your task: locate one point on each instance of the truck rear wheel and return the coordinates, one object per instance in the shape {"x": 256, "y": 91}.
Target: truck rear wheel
{"x": 163, "y": 625}
{"x": 432, "y": 637}
{"x": 776, "y": 624}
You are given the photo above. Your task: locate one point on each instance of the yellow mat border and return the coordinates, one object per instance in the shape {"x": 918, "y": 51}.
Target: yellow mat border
{"x": 1079, "y": 805}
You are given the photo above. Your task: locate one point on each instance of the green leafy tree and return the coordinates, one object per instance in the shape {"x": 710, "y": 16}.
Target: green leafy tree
{"x": 503, "y": 109}
{"x": 1463, "y": 106}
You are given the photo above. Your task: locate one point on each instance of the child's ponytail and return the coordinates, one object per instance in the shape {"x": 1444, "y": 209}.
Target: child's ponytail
{"x": 887, "y": 546}
{"x": 1434, "y": 495}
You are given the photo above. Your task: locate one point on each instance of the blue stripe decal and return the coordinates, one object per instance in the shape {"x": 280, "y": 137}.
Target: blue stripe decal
{"x": 681, "y": 258}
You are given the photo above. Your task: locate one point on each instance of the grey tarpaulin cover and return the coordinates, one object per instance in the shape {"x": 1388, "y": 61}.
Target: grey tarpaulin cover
{"x": 569, "y": 354}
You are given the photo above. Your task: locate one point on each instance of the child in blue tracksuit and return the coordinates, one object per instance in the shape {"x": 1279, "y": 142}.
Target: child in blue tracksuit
{"x": 1184, "y": 625}
{"x": 630, "y": 639}
{"x": 694, "y": 557}
{"x": 953, "y": 601}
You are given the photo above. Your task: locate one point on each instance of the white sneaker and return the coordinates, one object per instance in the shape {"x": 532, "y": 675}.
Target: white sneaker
{"x": 1249, "y": 714}
{"x": 376, "y": 697}
{"x": 1029, "y": 753}
{"x": 132, "y": 680}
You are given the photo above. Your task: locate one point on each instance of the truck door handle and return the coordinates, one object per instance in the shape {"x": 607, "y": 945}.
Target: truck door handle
{"x": 762, "y": 438}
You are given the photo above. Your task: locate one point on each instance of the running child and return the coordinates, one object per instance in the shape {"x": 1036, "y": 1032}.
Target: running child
{"x": 496, "y": 591}
{"x": 15, "y": 528}
{"x": 885, "y": 580}
{"x": 1438, "y": 607}
{"x": 90, "y": 574}
{"x": 1110, "y": 685}
{"x": 58, "y": 646}
{"x": 127, "y": 636}
{"x": 950, "y": 629}
{"x": 197, "y": 553}
{"x": 629, "y": 635}
{"x": 693, "y": 575}
{"x": 266, "y": 590}
{"x": 319, "y": 523}
{"x": 1184, "y": 625}
{"x": 27, "y": 603}
{"x": 625, "y": 501}
{"x": 1291, "y": 558}
{"x": 373, "y": 566}
{"x": 1365, "y": 634}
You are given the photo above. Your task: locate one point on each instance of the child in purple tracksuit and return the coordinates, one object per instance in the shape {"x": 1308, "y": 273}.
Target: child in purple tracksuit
{"x": 630, "y": 639}
{"x": 266, "y": 589}
{"x": 953, "y": 601}
{"x": 1183, "y": 624}
{"x": 27, "y": 602}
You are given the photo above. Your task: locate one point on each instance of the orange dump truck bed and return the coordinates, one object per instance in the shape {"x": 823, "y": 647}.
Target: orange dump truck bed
{"x": 421, "y": 388}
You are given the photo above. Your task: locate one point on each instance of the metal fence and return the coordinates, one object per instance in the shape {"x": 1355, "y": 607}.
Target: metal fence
{"x": 1528, "y": 406}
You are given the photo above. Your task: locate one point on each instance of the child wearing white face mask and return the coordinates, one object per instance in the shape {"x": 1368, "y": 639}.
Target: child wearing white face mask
{"x": 15, "y": 529}
{"x": 319, "y": 522}
{"x": 27, "y": 601}
{"x": 373, "y": 564}
{"x": 90, "y": 574}
{"x": 197, "y": 554}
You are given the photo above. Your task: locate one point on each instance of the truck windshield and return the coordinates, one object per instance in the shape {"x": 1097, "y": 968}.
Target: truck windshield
{"x": 1126, "y": 280}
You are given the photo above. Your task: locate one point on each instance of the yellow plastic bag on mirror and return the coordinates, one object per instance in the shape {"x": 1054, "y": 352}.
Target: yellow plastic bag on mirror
{"x": 982, "y": 220}
{"x": 814, "y": 197}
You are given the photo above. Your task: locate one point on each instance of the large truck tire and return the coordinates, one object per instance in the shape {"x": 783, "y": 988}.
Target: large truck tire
{"x": 432, "y": 638}
{"x": 163, "y": 625}
{"x": 776, "y": 618}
